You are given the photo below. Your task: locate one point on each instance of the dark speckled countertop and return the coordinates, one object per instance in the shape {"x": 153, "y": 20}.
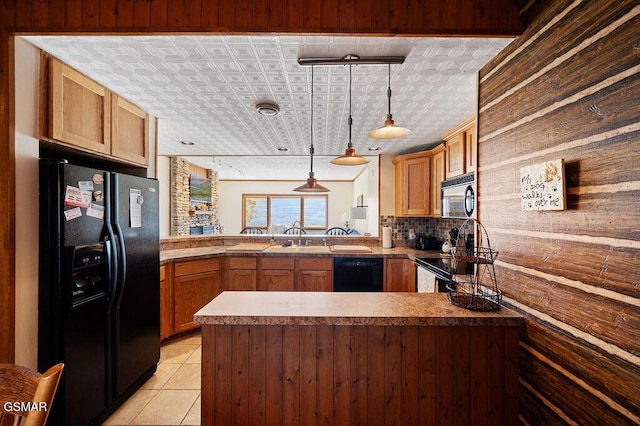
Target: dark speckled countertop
{"x": 194, "y": 253}
{"x": 327, "y": 308}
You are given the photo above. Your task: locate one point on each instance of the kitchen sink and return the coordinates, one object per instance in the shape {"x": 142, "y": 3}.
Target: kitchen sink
{"x": 297, "y": 249}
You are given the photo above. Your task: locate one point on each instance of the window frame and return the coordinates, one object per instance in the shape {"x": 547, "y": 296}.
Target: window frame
{"x": 302, "y": 198}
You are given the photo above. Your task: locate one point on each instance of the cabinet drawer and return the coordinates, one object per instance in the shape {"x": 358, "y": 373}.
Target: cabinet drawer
{"x": 324, "y": 264}
{"x": 277, "y": 263}
{"x": 196, "y": 266}
{"x": 242, "y": 262}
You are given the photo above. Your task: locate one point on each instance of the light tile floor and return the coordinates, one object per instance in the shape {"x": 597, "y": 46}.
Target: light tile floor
{"x": 172, "y": 395}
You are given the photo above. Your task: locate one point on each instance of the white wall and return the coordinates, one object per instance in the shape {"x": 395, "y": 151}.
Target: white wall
{"x": 367, "y": 184}
{"x": 27, "y": 154}
{"x": 164, "y": 180}
{"x": 387, "y": 185}
{"x": 230, "y": 199}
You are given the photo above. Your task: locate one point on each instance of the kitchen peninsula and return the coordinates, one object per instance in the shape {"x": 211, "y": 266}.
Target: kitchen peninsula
{"x": 356, "y": 358}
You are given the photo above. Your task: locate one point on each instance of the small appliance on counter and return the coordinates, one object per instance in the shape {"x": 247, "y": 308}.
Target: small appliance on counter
{"x": 428, "y": 243}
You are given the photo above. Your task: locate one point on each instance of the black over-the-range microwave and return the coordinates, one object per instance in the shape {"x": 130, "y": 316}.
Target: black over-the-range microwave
{"x": 458, "y": 197}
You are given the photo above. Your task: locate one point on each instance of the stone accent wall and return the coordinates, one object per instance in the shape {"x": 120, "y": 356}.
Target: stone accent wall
{"x": 181, "y": 219}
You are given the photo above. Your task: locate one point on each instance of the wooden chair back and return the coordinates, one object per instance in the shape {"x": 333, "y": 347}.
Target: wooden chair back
{"x": 295, "y": 230}
{"x": 336, "y": 230}
{"x": 251, "y": 230}
{"x": 26, "y": 395}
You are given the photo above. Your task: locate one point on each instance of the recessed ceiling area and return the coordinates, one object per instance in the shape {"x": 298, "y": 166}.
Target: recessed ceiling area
{"x": 205, "y": 88}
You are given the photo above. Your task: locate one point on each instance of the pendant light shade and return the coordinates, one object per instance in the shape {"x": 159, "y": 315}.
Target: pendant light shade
{"x": 389, "y": 130}
{"x": 312, "y": 184}
{"x": 350, "y": 158}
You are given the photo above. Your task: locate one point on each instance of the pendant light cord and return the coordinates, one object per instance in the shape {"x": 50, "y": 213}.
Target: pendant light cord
{"x": 389, "y": 94}
{"x": 311, "y": 148}
{"x": 350, "y": 119}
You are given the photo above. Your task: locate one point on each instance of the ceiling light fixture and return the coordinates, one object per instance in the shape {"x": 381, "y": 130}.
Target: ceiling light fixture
{"x": 350, "y": 158}
{"x": 352, "y": 59}
{"x": 268, "y": 109}
{"x": 312, "y": 184}
{"x": 389, "y": 130}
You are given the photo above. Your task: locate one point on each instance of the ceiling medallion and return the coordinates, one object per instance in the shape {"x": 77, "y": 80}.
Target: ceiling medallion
{"x": 268, "y": 109}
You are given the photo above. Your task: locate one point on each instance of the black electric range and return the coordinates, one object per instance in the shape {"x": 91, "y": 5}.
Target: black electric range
{"x": 440, "y": 266}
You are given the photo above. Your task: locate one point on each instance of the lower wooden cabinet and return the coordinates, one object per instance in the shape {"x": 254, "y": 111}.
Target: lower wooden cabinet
{"x": 241, "y": 273}
{"x": 186, "y": 287}
{"x": 276, "y": 274}
{"x": 166, "y": 302}
{"x": 314, "y": 274}
{"x": 399, "y": 275}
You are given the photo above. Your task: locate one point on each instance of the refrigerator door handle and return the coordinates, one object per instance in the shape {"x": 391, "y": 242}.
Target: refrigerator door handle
{"x": 122, "y": 256}
{"x": 123, "y": 263}
{"x": 113, "y": 267}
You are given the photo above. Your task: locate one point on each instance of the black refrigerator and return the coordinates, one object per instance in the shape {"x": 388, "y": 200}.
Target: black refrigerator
{"x": 99, "y": 297}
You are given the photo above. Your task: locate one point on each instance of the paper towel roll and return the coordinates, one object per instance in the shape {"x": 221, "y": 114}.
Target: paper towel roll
{"x": 386, "y": 237}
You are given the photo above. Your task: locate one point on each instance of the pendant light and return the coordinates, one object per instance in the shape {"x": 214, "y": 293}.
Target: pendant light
{"x": 312, "y": 184}
{"x": 389, "y": 130}
{"x": 350, "y": 158}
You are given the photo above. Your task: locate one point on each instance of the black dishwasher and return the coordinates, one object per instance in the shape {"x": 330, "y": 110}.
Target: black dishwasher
{"x": 357, "y": 274}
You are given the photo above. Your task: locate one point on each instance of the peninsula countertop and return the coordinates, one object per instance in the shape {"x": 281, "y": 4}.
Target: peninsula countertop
{"x": 337, "y": 308}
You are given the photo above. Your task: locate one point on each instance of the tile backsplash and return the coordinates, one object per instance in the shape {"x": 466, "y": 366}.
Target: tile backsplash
{"x": 429, "y": 226}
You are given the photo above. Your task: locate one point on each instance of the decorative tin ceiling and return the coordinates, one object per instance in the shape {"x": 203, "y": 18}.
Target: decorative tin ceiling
{"x": 204, "y": 89}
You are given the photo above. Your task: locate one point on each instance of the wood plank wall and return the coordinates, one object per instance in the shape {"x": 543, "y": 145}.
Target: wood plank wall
{"x": 361, "y": 17}
{"x": 569, "y": 88}
{"x": 419, "y": 17}
{"x": 359, "y": 375}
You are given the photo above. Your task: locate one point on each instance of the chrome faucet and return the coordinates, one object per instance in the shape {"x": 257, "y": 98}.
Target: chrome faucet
{"x": 293, "y": 225}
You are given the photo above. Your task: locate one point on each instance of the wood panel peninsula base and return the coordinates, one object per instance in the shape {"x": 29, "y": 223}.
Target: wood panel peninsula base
{"x": 298, "y": 358}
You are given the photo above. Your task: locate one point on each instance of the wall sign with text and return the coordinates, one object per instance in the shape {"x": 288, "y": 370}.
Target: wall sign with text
{"x": 542, "y": 186}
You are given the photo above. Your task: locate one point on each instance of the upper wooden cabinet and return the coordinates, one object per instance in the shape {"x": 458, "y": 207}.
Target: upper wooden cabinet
{"x": 129, "y": 131}
{"x": 461, "y": 148}
{"x": 413, "y": 184}
{"x": 79, "y": 109}
{"x": 82, "y": 114}
{"x": 437, "y": 176}
{"x": 470, "y": 148}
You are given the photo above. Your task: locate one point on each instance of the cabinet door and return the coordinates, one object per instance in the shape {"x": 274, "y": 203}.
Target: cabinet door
{"x": 471, "y": 146}
{"x": 314, "y": 274}
{"x": 129, "y": 131}
{"x": 399, "y": 275}
{"x": 166, "y": 305}
{"x": 192, "y": 292}
{"x": 455, "y": 156}
{"x": 311, "y": 280}
{"x": 276, "y": 280}
{"x": 413, "y": 190}
{"x": 241, "y": 273}
{"x": 241, "y": 279}
{"x": 276, "y": 274}
{"x": 437, "y": 176}
{"x": 79, "y": 110}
